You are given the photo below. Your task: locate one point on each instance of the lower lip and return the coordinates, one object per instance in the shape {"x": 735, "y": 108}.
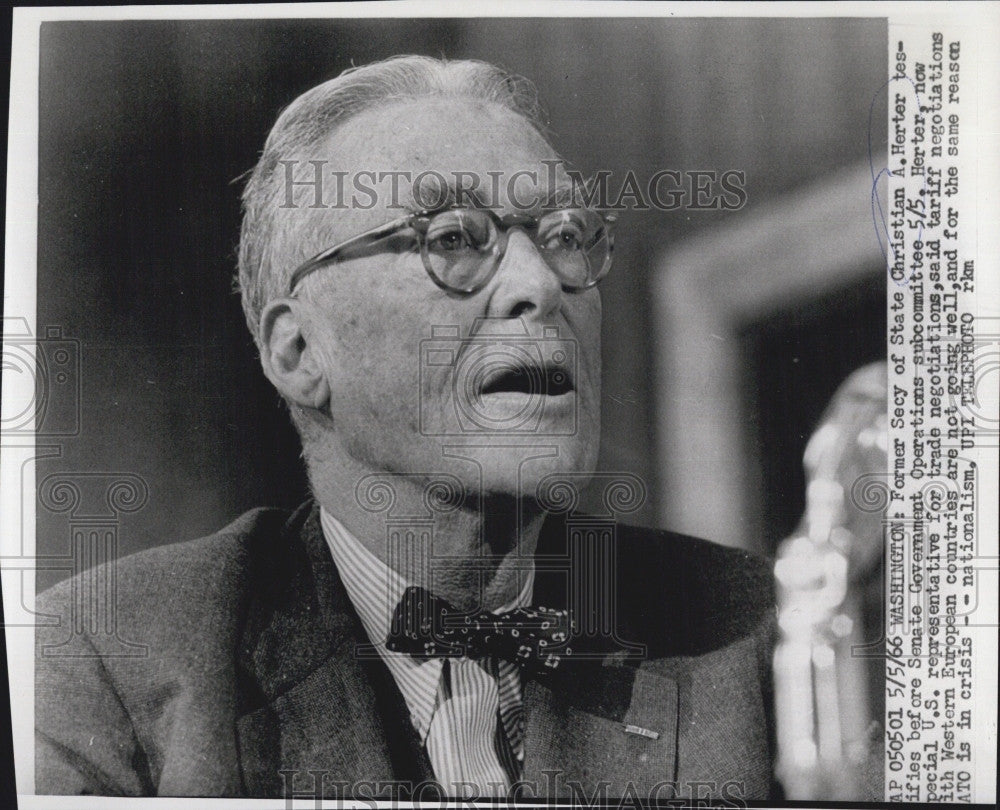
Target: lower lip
{"x": 550, "y": 403}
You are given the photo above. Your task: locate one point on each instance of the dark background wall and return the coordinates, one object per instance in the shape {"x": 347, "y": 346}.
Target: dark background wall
{"x": 145, "y": 127}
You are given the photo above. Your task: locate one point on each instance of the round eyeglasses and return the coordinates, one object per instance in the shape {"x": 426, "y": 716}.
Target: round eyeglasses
{"x": 462, "y": 247}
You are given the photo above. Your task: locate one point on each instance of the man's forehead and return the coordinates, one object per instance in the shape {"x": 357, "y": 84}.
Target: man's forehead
{"x": 446, "y": 148}
{"x": 424, "y": 132}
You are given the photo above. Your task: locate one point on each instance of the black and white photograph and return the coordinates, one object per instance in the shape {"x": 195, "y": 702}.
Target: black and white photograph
{"x": 404, "y": 404}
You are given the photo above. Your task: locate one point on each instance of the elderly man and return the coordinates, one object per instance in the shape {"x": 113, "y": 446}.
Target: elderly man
{"x": 420, "y": 276}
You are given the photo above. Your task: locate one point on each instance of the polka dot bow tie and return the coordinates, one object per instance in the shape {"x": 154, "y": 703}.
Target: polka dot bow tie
{"x": 426, "y": 626}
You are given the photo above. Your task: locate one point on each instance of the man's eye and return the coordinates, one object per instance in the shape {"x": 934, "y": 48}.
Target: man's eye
{"x": 457, "y": 231}
{"x": 449, "y": 241}
{"x": 567, "y": 230}
{"x": 565, "y": 237}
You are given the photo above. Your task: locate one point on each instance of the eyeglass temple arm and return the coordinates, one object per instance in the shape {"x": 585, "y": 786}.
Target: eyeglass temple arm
{"x": 378, "y": 232}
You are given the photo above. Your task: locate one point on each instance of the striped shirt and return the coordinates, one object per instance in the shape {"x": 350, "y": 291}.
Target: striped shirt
{"x": 440, "y": 693}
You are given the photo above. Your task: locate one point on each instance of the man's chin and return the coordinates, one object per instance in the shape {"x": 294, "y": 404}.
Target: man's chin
{"x": 531, "y": 472}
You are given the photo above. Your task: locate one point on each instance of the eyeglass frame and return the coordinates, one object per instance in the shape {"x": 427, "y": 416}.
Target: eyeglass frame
{"x": 424, "y": 217}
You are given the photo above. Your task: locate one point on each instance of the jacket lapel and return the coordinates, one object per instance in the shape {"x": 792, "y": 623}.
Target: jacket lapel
{"x": 600, "y": 728}
{"x": 605, "y": 724}
{"x": 309, "y": 717}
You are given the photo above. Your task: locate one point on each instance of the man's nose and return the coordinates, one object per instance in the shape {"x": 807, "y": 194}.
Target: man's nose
{"x": 525, "y": 284}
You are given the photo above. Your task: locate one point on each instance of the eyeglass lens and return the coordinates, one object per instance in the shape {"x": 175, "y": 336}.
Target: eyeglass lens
{"x": 461, "y": 247}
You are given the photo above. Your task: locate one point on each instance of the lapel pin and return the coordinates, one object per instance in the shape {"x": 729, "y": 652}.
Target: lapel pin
{"x": 642, "y": 732}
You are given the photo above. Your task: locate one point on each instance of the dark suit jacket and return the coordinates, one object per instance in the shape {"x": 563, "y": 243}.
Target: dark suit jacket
{"x": 249, "y": 676}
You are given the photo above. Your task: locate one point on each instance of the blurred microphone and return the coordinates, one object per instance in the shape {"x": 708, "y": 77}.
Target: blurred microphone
{"x": 828, "y": 698}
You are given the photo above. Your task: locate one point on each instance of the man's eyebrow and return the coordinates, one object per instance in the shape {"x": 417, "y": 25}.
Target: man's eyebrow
{"x": 432, "y": 192}
{"x": 457, "y": 194}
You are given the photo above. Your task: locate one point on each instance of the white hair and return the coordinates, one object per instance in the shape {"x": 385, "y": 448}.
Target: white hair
{"x": 266, "y": 243}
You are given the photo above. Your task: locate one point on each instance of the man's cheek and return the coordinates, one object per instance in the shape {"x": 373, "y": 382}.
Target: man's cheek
{"x": 432, "y": 399}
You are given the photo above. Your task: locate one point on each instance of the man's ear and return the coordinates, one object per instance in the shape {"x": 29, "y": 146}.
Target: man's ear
{"x": 289, "y": 360}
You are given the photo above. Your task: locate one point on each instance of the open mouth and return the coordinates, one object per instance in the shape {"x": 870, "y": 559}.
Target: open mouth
{"x": 533, "y": 380}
